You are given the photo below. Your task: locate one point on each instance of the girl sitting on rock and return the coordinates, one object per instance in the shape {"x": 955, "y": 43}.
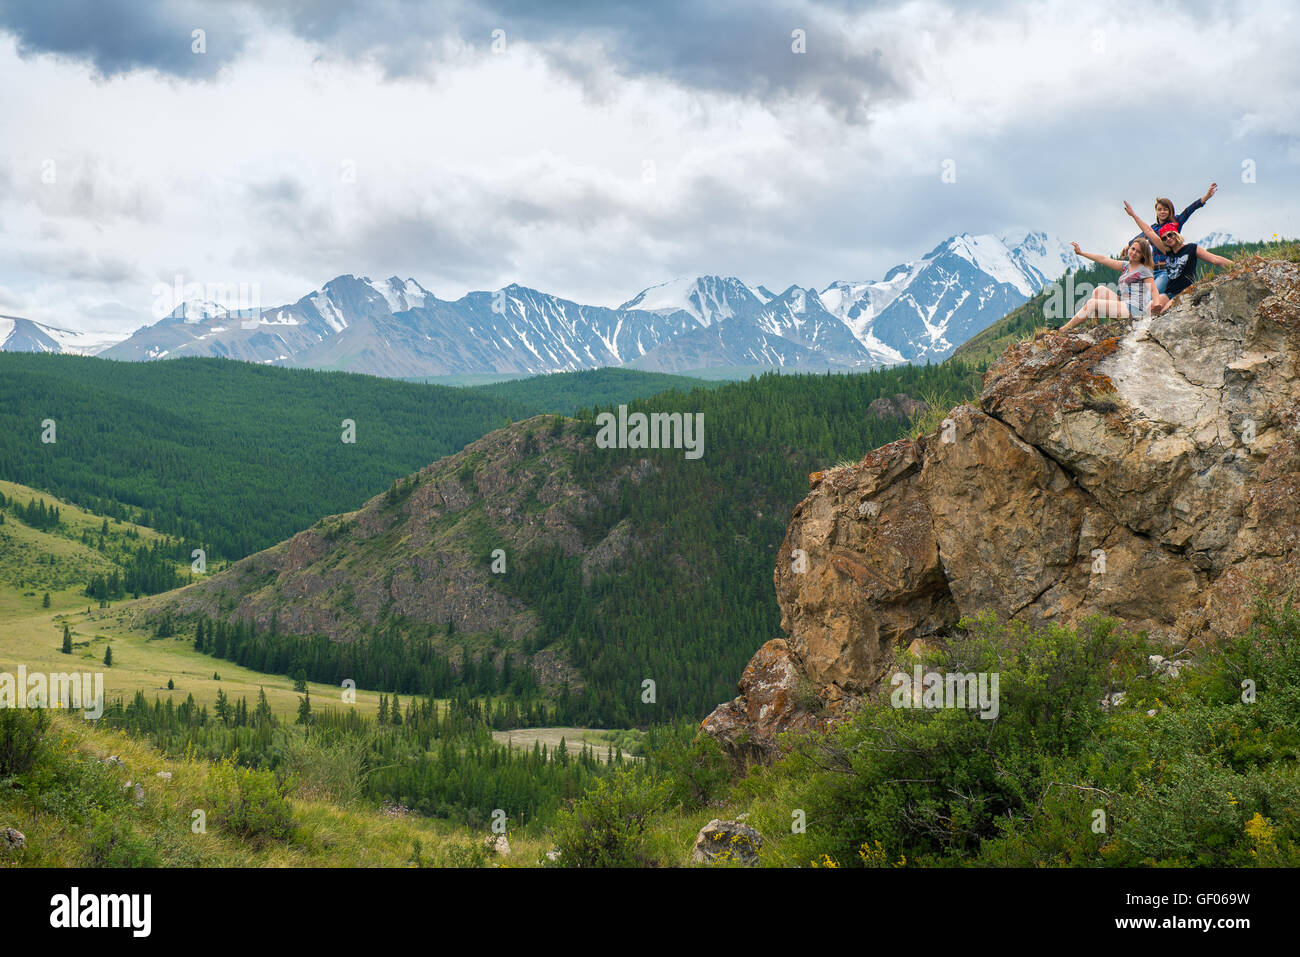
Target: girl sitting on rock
{"x": 1182, "y": 260}
{"x": 1137, "y": 287}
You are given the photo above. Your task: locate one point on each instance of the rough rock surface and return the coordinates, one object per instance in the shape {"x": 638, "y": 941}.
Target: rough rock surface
{"x": 1147, "y": 470}
{"x": 901, "y": 406}
{"x": 726, "y": 841}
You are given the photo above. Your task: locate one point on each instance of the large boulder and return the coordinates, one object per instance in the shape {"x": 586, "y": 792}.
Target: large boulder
{"x": 729, "y": 842}
{"x": 775, "y": 696}
{"x": 1147, "y": 470}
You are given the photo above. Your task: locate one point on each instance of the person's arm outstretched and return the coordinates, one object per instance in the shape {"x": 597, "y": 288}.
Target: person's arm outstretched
{"x": 1146, "y": 230}
{"x": 1100, "y": 260}
{"x": 1213, "y": 259}
{"x": 1186, "y": 214}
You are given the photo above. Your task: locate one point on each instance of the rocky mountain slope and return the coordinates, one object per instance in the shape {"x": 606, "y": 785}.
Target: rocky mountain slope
{"x": 1147, "y": 470}
{"x": 422, "y": 554}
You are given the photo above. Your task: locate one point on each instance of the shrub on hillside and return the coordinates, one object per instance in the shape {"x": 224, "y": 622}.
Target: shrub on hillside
{"x": 1198, "y": 770}
{"x": 696, "y": 770}
{"x": 112, "y": 843}
{"x": 324, "y": 767}
{"x": 22, "y": 738}
{"x": 249, "y": 803}
{"x": 927, "y": 784}
{"x": 606, "y": 827}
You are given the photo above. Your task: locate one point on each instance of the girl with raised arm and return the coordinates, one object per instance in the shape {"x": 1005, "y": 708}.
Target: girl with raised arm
{"x": 1137, "y": 288}
{"x": 1183, "y": 260}
{"x": 1165, "y": 222}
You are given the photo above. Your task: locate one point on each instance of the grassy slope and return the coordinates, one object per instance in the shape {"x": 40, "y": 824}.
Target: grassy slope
{"x": 57, "y": 820}
{"x": 31, "y": 635}
{"x": 326, "y": 835}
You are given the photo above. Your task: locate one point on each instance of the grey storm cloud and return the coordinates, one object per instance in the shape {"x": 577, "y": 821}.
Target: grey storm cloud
{"x": 736, "y": 48}
{"x": 118, "y": 36}
{"x": 743, "y": 49}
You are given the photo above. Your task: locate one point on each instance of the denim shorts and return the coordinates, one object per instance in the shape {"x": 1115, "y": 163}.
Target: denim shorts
{"x": 1162, "y": 280}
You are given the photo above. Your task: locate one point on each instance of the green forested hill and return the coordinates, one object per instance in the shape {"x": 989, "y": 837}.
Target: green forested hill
{"x": 226, "y": 454}
{"x": 239, "y": 457}
{"x": 690, "y": 611}
{"x": 567, "y": 392}
{"x": 670, "y": 581}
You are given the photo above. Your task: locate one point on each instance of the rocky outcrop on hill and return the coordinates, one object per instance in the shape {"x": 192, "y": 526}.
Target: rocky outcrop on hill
{"x": 1147, "y": 470}
{"x": 901, "y": 406}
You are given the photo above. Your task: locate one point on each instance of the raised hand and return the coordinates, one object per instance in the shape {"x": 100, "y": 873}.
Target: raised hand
{"x": 1077, "y": 250}
{"x": 1128, "y": 208}
{"x": 1214, "y": 188}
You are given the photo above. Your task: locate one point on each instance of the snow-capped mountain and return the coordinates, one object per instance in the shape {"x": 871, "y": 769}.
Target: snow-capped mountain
{"x": 926, "y": 308}
{"x": 27, "y": 335}
{"x": 393, "y": 327}
{"x": 270, "y": 335}
{"x": 709, "y": 299}
{"x": 1216, "y": 238}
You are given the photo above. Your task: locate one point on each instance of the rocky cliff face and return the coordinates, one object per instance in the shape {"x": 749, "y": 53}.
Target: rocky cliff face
{"x": 1148, "y": 470}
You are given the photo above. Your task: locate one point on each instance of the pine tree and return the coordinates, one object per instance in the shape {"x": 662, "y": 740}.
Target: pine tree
{"x": 263, "y": 713}
{"x": 304, "y": 709}
{"x": 198, "y": 638}
{"x": 45, "y": 602}
{"x": 67, "y": 641}
{"x": 108, "y": 657}
{"x": 395, "y": 714}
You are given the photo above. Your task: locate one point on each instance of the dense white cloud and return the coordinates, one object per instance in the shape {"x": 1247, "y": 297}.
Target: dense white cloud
{"x": 584, "y": 164}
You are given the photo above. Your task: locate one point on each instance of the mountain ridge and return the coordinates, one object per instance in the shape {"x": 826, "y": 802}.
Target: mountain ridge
{"x": 919, "y": 312}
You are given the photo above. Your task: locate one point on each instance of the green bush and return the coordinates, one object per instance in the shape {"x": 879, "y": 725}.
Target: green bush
{"x": 932, "y": 785}
{"x": 111, "y": 843}
{"x": 695, "y": 769}
{"x": 466, "y": 855}
{"x": 1193, "y": 771}
{"x": 606, "y": 827}
{"x": 22, "y": 738}
{"x": 249, "y": 803}
{"x": 326, "y": 767}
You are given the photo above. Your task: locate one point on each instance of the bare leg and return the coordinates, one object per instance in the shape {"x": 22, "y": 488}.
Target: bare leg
{"x": 1103, "y": 302}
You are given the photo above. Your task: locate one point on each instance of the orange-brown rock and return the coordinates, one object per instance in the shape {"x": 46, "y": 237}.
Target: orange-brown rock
{"x": 1148, "y": 470}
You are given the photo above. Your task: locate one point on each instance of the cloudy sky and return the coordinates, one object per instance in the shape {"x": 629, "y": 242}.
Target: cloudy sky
{"x": 593, "y": 151}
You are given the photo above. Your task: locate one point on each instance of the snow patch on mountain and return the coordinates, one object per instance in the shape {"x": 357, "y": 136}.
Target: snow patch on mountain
{"x": 709, "y": 299}
{"x": 399, "y": 295}
{"x": 1216, "y": 238}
